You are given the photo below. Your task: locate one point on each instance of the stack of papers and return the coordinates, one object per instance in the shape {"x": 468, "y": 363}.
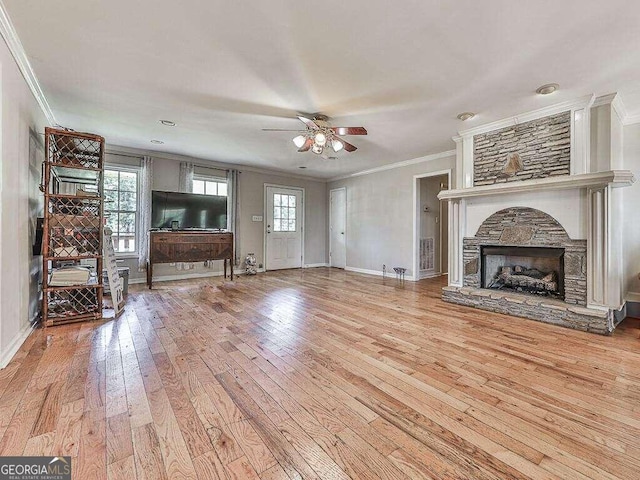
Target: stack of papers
{"x": 68, "y": 276}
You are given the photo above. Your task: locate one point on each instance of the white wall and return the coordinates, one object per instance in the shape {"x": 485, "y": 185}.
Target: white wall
{"x": 380, "y": 215}
{"x": 251, "y": 186}
{"x": 20, "y": 203}
{"x": 631, "y": 215}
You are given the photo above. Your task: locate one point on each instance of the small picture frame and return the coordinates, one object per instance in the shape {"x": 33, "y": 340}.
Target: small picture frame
{"x": 175, "y": 225}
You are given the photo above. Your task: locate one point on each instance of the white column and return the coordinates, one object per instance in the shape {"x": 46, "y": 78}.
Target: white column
{"x": 457, "y": 229}
{"x": 597, "y": 247}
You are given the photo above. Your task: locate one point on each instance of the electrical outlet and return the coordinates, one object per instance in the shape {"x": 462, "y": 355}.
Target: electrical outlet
{"x": 259, "y": 265}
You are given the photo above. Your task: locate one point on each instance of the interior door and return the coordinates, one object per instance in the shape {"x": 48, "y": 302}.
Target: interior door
{"x": 338, "y": 227}
{"x": 283, "y": 228}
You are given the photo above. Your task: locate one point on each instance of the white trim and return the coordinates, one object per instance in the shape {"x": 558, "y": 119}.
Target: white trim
{"x": 615, "y": 178}
{"x": 345, "y": 224}
{"x": 139, "y": 238}
{"x": 615, "y": 100}
{"x": 424, "y": 274}
{"x": 415, "y": 250}
{"x": 391, "y": 166}
{"x": 631, "y": 119}
{"x": 15, "y": 345}
{"x": 582, "y": 102}
{"x": 16, "y": 48}
{"x": 205, "y": 163}
{"x": 632, "y": 297}
{"x": 604, "y": 99}
{"x": 378, "y": 273}
{"x": 302, "y": 224}
{"x": 315, "y": 265}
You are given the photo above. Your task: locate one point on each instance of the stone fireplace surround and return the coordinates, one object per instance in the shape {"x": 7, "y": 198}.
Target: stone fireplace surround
{"x": 577, "y": 211}
{"x": 528, "y": 227}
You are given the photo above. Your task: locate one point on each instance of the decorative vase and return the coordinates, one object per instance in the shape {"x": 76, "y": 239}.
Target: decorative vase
{"x": 251, "y": 264}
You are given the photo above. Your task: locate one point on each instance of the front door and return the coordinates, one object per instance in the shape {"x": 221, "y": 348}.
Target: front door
{"x": 283, "y": 228}
{"x": 338, "y": 225}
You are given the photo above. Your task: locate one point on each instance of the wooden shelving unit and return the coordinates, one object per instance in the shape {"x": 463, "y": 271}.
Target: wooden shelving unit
{"x": 73, "y": 222}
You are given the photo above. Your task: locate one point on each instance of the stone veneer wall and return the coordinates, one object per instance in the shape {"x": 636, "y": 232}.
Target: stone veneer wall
{"x": 543, "y": 146}
{"x": 528, "y": 227}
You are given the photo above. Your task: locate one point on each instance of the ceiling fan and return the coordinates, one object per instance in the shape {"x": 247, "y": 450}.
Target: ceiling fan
{"x": 319, "y": 135}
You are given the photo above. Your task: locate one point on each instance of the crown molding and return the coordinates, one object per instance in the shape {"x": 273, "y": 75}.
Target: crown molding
{"x": 12, "y": 40}
{"x": 631, "y": 119}
{"x": 582, "y": 102}
{"x": 615, "y": 100}
{"x": 391, "y": 166}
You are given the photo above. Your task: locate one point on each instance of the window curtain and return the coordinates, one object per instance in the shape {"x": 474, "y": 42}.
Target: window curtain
{"x": 186, "y": 177}
{"x": 146, "y": 185}
{"x": 233, "y": 211}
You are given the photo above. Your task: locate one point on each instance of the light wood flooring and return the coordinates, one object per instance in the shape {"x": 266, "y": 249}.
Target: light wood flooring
{"x": 322, "y": 374}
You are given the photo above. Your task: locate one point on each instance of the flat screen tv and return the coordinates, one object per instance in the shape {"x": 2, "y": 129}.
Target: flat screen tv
{"x": 190, "y": 210}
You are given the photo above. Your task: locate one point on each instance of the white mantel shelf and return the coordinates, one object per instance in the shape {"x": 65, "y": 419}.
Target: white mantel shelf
{"x": 614, "y": 178}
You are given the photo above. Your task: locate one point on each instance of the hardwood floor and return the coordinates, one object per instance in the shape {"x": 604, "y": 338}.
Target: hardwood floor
{"x": 323, "y": 374}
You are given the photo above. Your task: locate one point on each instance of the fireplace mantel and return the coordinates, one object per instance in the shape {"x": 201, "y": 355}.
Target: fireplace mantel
{"x": 613, "y": 178}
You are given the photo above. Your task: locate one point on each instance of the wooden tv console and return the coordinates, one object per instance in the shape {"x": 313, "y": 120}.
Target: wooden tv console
{"x": 189, "y": 246}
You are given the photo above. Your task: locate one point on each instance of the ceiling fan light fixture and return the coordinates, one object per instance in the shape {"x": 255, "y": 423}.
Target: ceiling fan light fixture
{"x": 547, "y": 89}
{"x": 317, "y": 149}
{"x": 299, "y": 140}
{"x": 321, "y": 139}
{"x": 337, "y": 145}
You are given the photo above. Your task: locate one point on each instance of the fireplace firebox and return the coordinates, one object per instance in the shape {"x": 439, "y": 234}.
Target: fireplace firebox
{"x": 532, "y": 270}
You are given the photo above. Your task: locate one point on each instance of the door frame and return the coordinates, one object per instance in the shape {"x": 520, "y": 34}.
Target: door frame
{"x": 345, "y": 225}
{"x": 264, "y": 221}
{"x": 416, "y": 234}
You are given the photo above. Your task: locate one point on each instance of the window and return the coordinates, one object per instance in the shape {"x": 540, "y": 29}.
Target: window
{"x": 120, "y": 207}
{"x": 284, "y": 212}
{"x": 210, "y": 186}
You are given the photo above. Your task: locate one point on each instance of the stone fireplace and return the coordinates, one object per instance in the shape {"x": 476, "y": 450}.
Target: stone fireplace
{"x": 532, "y": 231}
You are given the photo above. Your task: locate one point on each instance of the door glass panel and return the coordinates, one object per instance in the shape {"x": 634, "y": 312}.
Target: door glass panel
{"x": 284, "y": 213}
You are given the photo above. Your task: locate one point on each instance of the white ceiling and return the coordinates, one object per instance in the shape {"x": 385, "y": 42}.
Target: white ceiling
{"x": 223, "y": 70}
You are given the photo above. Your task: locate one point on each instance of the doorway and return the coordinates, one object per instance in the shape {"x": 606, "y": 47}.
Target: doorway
{"x": 284, "y": 220}
{"x": 431, "y": 225}
{"x": 338, "y": 228}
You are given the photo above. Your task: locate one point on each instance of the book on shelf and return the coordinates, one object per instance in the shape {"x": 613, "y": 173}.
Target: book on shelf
{"x": 71, "y": 276}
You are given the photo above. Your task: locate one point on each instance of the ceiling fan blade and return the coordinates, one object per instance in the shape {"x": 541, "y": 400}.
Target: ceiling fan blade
{"x": 349, "y": 130}
{"x": 279, "y": 130}
{"x": 308, "y": 122}
{"x": 348, "y": 147}
{"x": 307, "y": 145}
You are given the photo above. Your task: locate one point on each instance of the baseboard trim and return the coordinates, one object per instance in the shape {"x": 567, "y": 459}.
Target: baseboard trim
{"x": 316, "y": 265}
{"x": 15, "y": 345}
{"x": 378, "y": 273}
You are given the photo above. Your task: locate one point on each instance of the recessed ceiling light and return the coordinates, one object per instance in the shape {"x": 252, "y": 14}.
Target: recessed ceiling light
{"x": 302, "y": 167}
{"x": 547, "y": 89}
{"x": 157, "y": 142}
{"x": 464, "y": 116}
{"x": 168, "y": 123}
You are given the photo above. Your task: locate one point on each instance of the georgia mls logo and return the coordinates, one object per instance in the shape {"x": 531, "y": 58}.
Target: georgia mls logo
{"x": 35, "y": 468}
